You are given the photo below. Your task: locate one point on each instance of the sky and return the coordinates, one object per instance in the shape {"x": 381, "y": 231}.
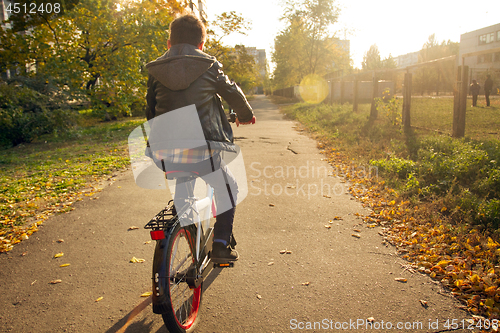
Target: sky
{"x": 397, "y": 27}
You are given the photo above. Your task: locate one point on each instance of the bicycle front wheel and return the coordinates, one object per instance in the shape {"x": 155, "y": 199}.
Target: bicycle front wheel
{"x": 184, "y": 302}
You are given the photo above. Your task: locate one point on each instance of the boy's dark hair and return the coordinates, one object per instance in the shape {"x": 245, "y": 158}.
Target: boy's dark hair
{"x": 187, "y": 29}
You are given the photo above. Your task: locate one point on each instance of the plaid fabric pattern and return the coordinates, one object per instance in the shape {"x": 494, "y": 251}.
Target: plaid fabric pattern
{"x": 184, "y": 155}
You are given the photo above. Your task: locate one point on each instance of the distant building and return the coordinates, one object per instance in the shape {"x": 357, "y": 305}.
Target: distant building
{"x": 261, "y": 62}
{"x": 260, "y": 59}
{"x": 4, "y": 14}
{"x": 198, "y": 8}
{"x": 406, "y": 60}
{"x": 481, "y": 40}
{"x": 344, "y": 44}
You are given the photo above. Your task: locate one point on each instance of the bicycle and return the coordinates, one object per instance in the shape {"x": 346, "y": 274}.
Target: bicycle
{"x": 181, "y": 259}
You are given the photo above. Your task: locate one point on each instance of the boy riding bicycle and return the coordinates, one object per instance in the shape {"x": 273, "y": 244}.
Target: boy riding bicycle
{"x": 183, "y": 76}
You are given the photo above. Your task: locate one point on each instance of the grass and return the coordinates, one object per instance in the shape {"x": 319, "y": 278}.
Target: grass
{"x": 435, "y": 196}
{"x": 436, "y": 113}
{"x": 50, "y": 174}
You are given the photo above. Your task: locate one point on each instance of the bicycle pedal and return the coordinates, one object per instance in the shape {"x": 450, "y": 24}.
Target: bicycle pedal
{"x": 223, "y": 265}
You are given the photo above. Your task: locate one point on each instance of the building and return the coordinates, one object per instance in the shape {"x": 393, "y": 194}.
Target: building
{"x": 406, "y": 60}
{"x": 4, "y": 14}
{"x": 481, "y": 49}
{"x": 198, "y": 8}
{"x": 344, "y": 44}
{"x": 260, "y": 59}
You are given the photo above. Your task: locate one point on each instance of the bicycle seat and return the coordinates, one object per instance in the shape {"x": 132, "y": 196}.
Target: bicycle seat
{"x": 181, "y": 174}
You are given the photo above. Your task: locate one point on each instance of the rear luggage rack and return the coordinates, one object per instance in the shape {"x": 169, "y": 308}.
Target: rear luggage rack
{"x": 166, "y": 218}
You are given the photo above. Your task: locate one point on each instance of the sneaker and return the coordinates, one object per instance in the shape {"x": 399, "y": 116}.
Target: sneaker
{"x": 222, "y": 253}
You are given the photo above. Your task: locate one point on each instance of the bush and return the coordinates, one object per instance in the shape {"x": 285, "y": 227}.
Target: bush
{"x": 26, "y": 114}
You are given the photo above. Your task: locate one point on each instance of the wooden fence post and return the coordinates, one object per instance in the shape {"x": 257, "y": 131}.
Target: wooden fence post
{"x": 341, "y": 91}
{"x": 460, "y": 102}
{"x": 407, "y": 102}
{"x": 355, "y": 96}
{"x": 373, "y": 111}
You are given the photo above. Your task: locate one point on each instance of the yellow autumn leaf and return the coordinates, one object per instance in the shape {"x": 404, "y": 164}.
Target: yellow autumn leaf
{"x": 100, "y": 298}
{"x": 147, "y": 294}
{"x": 136, "y": 260}
{"x": 64, "y": 265}
{"x": 474, "y": 278}
{"x": 489, "y": 302}
{"x": 401, "y": 280}
{"x": 58, "y": 255}
{"x": 443, "y": 263}
{"x": 55, "y": 281}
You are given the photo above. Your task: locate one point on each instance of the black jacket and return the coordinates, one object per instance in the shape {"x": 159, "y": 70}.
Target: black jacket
{"x": 184, "y": 75}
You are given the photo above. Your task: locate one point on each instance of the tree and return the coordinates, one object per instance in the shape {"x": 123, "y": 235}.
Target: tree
{"x": 239, "y": 65}
{"x": 95, "y": 52}
{"x": 371, "y": 59}
{"x": 438, "y": 76}
{"x": 306, "y": 45}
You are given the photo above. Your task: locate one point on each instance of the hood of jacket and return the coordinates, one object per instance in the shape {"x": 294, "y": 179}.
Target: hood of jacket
{"x": 180, "y": 66}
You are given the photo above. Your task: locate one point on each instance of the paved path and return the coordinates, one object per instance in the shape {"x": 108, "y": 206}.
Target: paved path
{"x": 330, "y": 277}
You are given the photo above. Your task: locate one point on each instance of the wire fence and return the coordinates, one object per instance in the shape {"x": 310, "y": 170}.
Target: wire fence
{"x": 434, "y": 96}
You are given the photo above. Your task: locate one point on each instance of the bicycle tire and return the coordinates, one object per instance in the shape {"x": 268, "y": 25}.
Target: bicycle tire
{"x": 183, "y": 303}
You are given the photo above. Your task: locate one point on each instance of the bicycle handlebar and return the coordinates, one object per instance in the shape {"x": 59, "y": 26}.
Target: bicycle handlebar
{"x": 232, "y": 117}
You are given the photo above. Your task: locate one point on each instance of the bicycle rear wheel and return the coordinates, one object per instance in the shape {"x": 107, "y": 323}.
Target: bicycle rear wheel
{"x": 184, "y": 303}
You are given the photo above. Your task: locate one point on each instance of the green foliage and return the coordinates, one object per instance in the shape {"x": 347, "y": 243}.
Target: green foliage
{"x": 25, "y": 114}
{"x": 49, "y": 176}
{"x": 390, "y": 107}
{"x": 396, "y": 167}
{"x": 306, "y": 46}
{"x": 460, "y": 177}
{"x": 95, "y": 52}
{"x": 462, "y": 173}
{"x": 372, "y": 60}
{"x": 239, "y": 65}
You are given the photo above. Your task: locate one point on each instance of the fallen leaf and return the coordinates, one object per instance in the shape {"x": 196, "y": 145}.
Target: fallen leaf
{"x": 424, "y": 303}
{"x": 271, "y": 263}
{"x": 55, "y": 281}
{"x": 60, "y": 240}
{"x": 326, "y": 196}
{"x": 306, "y": 283}
{"x": 64, "y": 265}
{"x": 370, "y": 319}
{"x": 271, "y": 205}
{"x": 403, "y": 280}
{"x": 282, "y": 251}
{"x": 357, "y": 230}
{"x": 135, "y": 260}
{"x": 147, "y": 242}
{"x": 58, "y": 255}
{"x": 328, "y": 226}
{"x": 259, "y": 297}
{"x": 133, "y": 228}
{"x": 288, "y": 252}
{"x": 147, "y": 294}
{"x": 356, "y": 235}
{"x": 100, "y": 298}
